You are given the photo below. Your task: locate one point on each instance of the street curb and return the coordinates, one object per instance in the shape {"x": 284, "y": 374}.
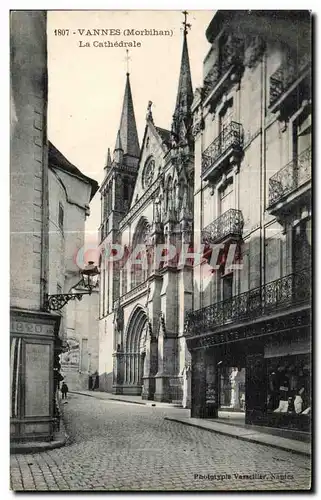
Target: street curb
{"x": 242, "y": 438}
{"x": 108, "y": 399}
{"x": 145, "y": 403}
{"x": 131, "y": 402}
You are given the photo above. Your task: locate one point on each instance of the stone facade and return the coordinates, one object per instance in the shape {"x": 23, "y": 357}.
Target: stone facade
{"x": 70, "y": 194}
{"x": 42, "y": 254}
{"x": 252, "y": 129}
{"x": 28, "y": 170}
{"x": 80, "y": 364}
{"x": 232, "y": 180}
{"x": 143, "y": 304}
{"x": 33, "y": 332}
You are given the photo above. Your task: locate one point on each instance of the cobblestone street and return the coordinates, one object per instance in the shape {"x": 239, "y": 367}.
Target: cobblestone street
{"x": 121, "y": 446}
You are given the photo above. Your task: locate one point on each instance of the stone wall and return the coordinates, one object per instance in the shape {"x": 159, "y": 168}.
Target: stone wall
{"x": 28, "y": 160}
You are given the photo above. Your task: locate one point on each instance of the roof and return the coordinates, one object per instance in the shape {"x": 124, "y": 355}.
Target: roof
{"x": 182, "y": 116}
{"x": 266, "y": 23}
{"x": 165, "y": 135}
{"x": 57, "y": 159}
{"x": 185, "y": 89}
{"x": 127, "y": 137}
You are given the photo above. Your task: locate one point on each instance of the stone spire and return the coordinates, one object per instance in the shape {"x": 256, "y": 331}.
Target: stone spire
{"x": 182, "y": 118}
{"x": 127, "y": 133}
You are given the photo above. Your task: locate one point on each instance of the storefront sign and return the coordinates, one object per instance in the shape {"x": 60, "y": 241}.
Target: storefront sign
{"x": 26, "y": 327}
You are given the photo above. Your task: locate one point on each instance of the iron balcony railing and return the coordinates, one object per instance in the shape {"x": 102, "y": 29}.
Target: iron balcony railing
{"x": 232, "y": 55}
{"x": 231, "y": 138}
{"x": 230, "y": 223}
{"x": 137, "y": 290}
{"x": 290, "y": 177}
{"x": 282, "y": 293}
{"x": 286, "y": 75}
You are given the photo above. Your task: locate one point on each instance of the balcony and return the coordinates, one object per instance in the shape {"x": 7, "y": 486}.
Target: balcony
{"x": 134, "y": 293}
{"x": 287, "y": 81}
{"x": 228, "y": 226}
{"x": 226, "y": 148}
{"x": 282, "y": 294}
{"x": 224, "y": 69}
{"x": 290, "y": 183}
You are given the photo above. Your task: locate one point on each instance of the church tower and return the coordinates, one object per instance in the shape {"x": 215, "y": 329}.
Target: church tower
{"x": 147, "y": 199}
{"x": 116, "y": 194}
{"x": 182, "y": 117}
{"x": 177, "y": 210}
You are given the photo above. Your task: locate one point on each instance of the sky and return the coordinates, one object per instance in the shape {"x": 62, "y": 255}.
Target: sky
{"x": 86, "y": 84}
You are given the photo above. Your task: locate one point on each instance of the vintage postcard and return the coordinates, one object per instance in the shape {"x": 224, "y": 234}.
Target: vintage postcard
{"x": 160, "y": 310}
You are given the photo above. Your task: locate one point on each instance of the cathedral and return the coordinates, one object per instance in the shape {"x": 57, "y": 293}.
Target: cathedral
{"x": 146, "y": 209}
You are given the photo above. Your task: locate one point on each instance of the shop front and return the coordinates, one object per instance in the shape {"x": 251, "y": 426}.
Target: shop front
{"x": 262, "y": 368}
{"x": 288, "y": 370}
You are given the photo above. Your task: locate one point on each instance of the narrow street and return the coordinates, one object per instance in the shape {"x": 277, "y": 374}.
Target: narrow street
{"x": 121, "y": 446}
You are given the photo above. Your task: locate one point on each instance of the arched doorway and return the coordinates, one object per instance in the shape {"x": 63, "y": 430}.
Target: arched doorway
{"x": 135, "y": 351}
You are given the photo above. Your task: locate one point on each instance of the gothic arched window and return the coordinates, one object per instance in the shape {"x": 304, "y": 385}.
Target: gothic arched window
{"x": 126, "y": 189}
{"x": 140, "y": 268}
{"x": 148, "y": 173}
{"x": 169, "y": 193}
{"x": 180, "y": 194}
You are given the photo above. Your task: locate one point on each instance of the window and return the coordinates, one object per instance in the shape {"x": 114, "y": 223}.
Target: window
{"x": 302, "y": 134}
{"x": 227, "y": 286}
{"x": 226, "y": 133}
{"x": 124, "y": 279}
{"x": 288, "y": 386}
{"x": 222, "y": 53}
{"x": 301, "y": 246}
{"x": 139, "y": 259}
{"x": 109, "y": 198}
{"x": 273, "y": 258}
{"x": 126, "y": 189}
{"x": 226, "y": 197}
{"x": 226, "y": 116}
{"x": 105, "y": 201}
{"x": 102, "y": 209}
{"x": 61, "y": 217}
{"x": 148, "y": 173}
{"x": 169, "y": 194}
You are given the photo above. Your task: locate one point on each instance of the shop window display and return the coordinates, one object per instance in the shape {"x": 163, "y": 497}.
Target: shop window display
{"x": 289, "y": 385}
{"x": 232, "y": 394}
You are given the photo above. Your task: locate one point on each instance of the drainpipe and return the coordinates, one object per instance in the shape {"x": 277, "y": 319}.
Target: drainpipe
{"x": 262, "y": 169}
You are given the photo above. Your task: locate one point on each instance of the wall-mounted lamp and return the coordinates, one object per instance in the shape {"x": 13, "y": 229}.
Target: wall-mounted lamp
{"x": 88, "y": 281}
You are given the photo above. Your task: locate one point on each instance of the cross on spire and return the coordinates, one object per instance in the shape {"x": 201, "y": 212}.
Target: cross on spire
{"x": 127, "y": 59}
{"x": 186, "y": 25}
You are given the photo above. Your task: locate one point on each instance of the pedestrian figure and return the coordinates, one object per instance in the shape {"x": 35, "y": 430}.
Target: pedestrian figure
{"x": 64, "y": 390}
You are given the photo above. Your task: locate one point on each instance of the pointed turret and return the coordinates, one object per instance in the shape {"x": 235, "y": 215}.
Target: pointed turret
{"x": 108, "y": 162}
{"x": 182, "y": 118}
{"x": 118, "y": 145}
{"x": 127, "y": 129}
{"x": 118, "y": 151}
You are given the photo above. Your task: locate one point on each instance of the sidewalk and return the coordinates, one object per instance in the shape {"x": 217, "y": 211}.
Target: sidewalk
{"x": 255, "y": 434}
{"x": 259, "y": 436}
